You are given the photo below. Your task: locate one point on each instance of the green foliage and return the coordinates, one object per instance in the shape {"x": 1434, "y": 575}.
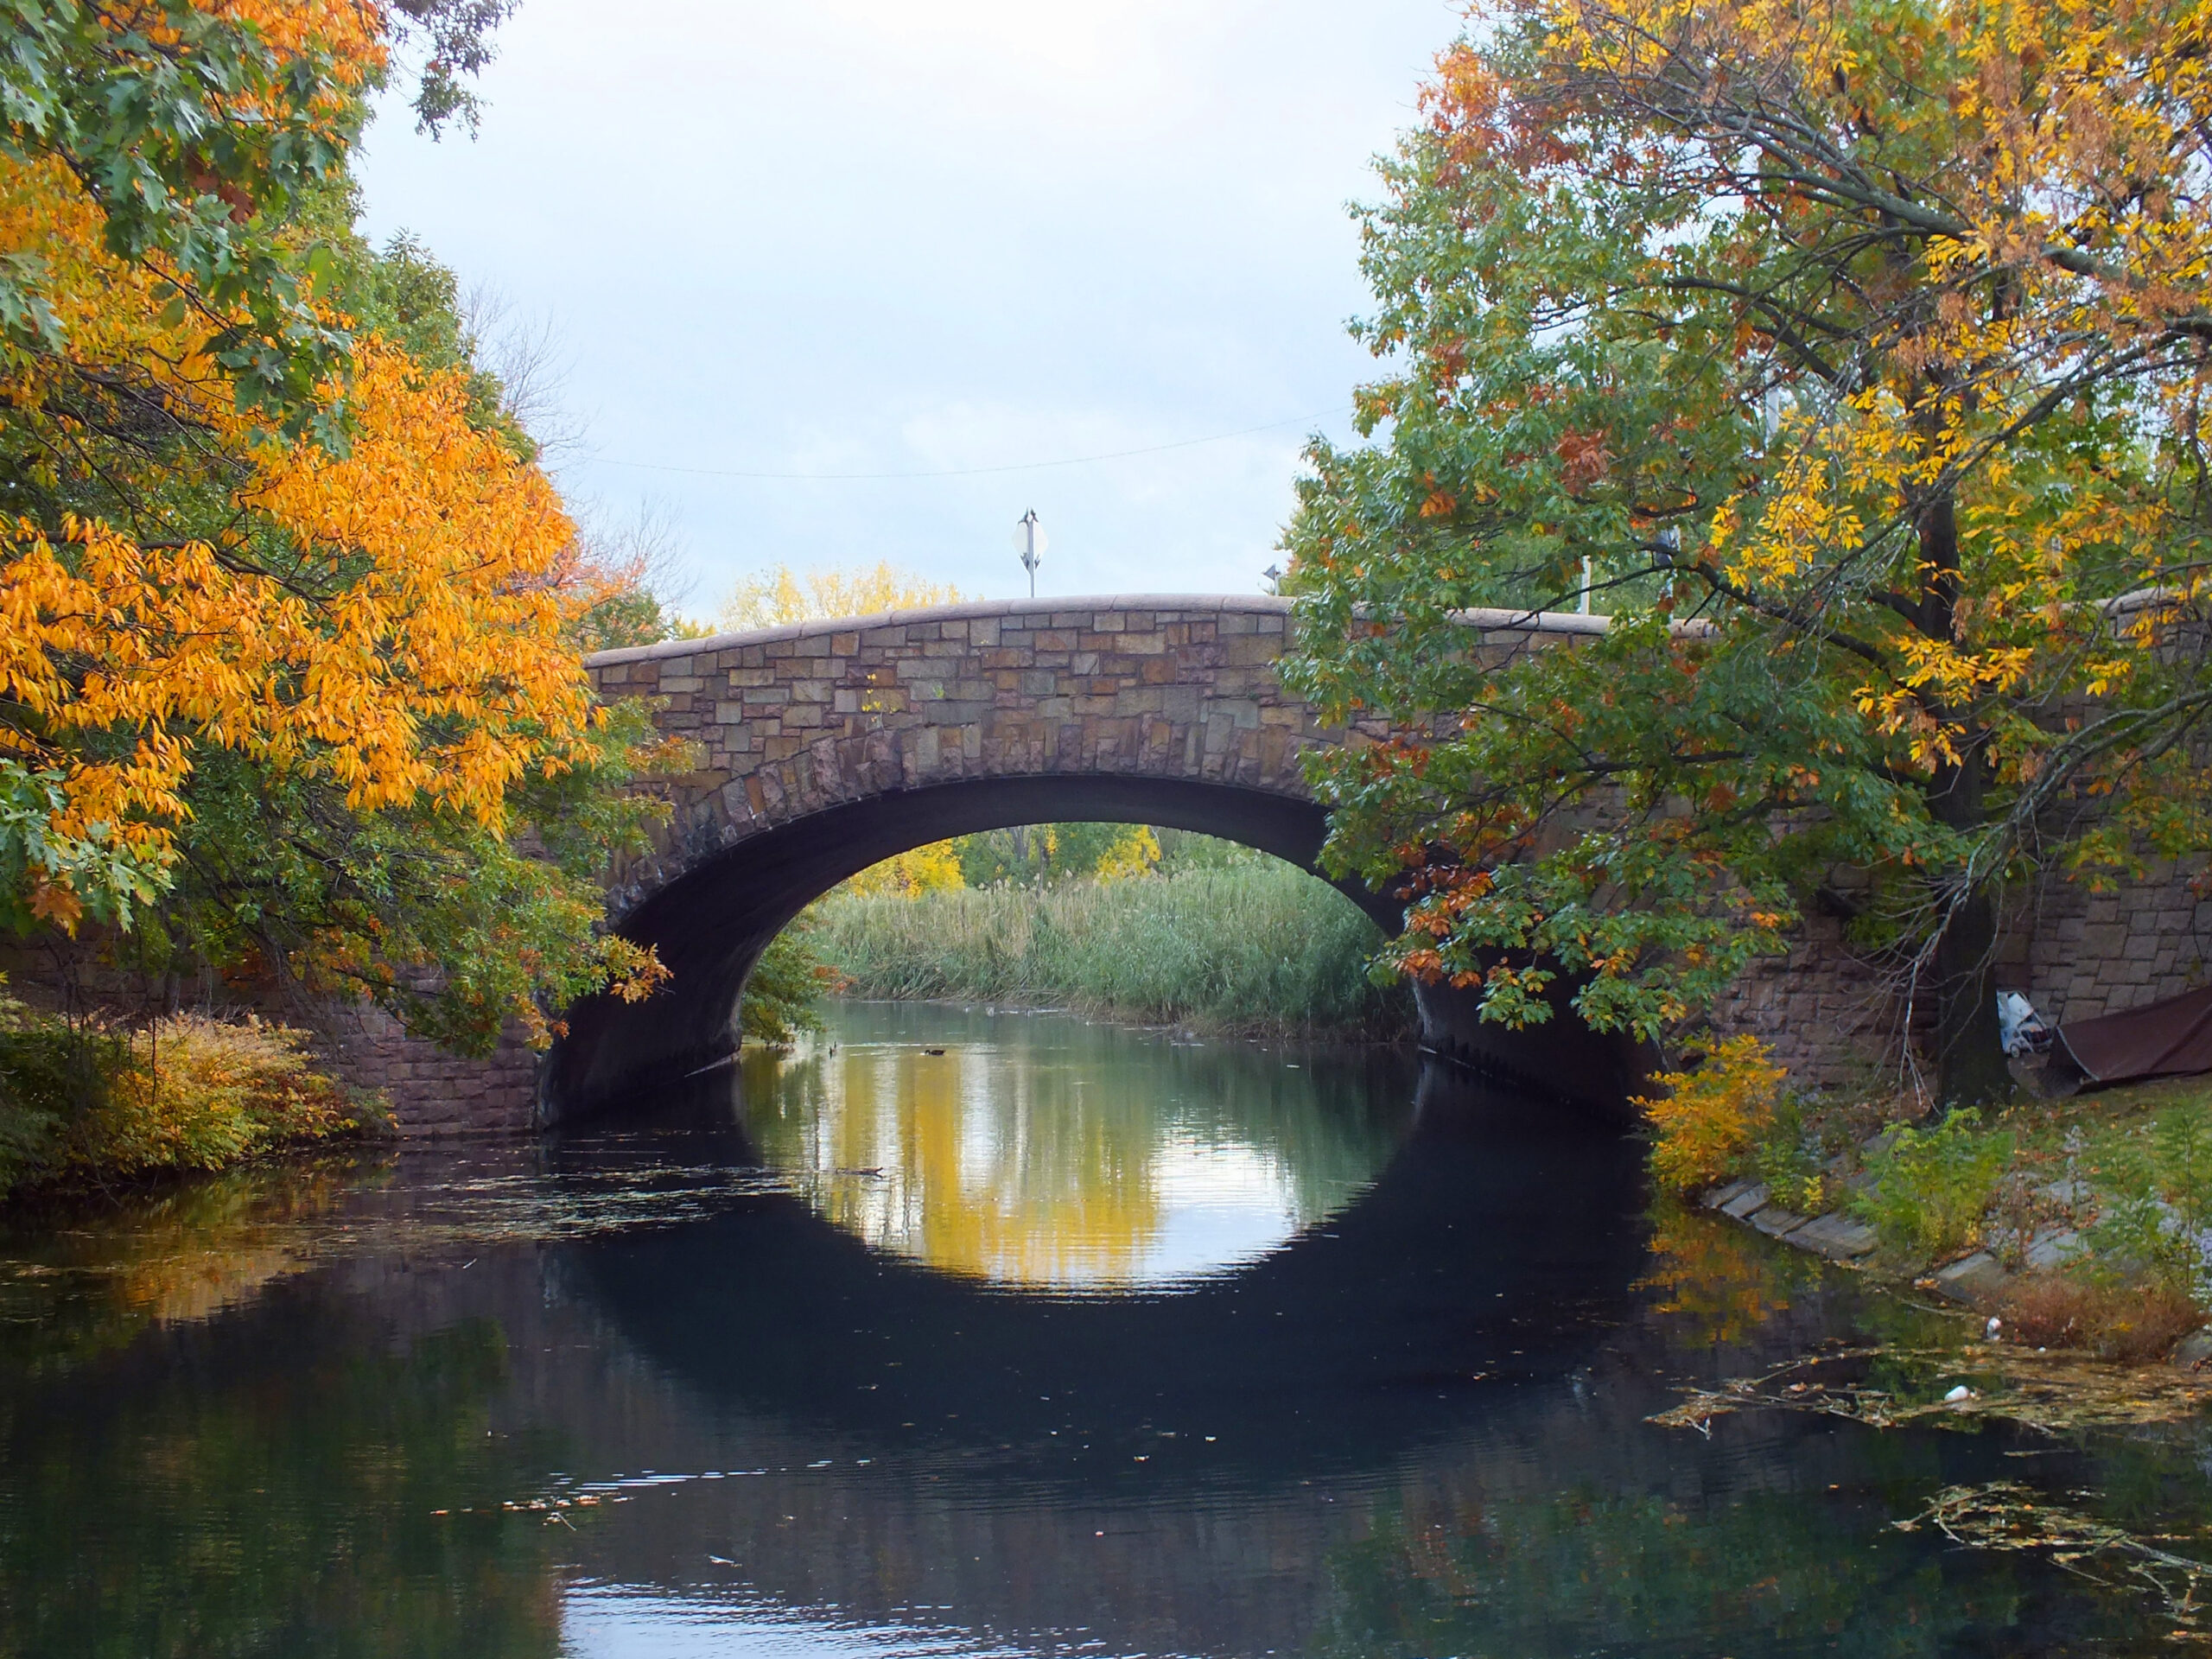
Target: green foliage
{"x": 454, "y": 37}
{"x": 200, "y": 140}
{"x": 1640, "y": 327}
{"x": 87, "y": 1101}
{"x": 1926, "y": 1190}
{"x": 278, "y": 874}
{"x": 111, "y": 879}
{"x": 1186, "y": 850}
{"x": 1787, "y": 1156}
{"x": 2153, "y": 1187}
{"x": 147, "y": 123}
{"x": 54, "y": 1078}
{"x": 1256, "y": 946}
{"x": 785, "y": 987}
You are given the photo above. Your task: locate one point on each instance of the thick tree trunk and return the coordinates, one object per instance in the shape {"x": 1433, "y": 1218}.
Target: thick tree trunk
{"x": 1970, "y": 1068}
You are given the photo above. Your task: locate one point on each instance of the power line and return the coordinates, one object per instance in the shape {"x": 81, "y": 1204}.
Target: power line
{"x": 976, "y": 472}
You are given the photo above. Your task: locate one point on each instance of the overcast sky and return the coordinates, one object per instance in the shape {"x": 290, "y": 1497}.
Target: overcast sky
{"x": 860, "y": 236}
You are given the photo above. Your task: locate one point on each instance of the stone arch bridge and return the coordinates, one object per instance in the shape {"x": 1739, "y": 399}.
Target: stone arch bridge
{"x": 827, "y": 747}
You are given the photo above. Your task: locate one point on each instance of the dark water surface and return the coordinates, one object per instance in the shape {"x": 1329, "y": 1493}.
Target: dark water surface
{"x": 1063, "y": 1340}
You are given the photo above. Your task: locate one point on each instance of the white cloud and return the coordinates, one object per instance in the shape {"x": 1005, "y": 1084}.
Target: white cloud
{"x": 856, "y": 235}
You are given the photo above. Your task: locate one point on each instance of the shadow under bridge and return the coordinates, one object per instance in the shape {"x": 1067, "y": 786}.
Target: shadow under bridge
{"x": 711, "y": 924}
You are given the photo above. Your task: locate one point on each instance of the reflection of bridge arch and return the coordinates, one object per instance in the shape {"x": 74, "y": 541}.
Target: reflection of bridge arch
{"x": 828, "y": 746}
{"x": 903, "y": 1470}
{"x": 1468, "y": 1266}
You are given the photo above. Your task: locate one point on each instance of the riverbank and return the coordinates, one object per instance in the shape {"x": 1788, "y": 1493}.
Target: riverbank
{"x": 91, "y": 1104}
{"x": 1257, "y": 948}
{"x": 2081, "y": 1224}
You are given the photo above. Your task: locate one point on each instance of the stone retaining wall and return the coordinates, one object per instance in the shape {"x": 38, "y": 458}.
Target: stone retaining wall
{"x": 1831, "y": 1014}
{"x": 434, "y": 1094}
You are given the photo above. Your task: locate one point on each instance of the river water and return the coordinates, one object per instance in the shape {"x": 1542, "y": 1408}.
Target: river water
{"x": 964, "y": 1332}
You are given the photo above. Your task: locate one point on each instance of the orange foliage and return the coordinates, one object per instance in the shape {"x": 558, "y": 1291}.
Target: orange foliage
{"x": 389, "y": 620}
{"x": 1709, "y": 1119}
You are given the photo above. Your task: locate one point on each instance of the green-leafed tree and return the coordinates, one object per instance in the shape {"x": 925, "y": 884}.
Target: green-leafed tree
{"x": 1853, "y": 355}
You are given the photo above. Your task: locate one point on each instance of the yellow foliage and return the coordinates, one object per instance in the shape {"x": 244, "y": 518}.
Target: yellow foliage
{"x": 1709, "y": 1119}
{"x": 201, "y": 1093}
{"x": 1133, "y": 853}
{"x": 778, "y": 597}
{"x": 2064, "y": 140}
{"x": 933, "y": 868}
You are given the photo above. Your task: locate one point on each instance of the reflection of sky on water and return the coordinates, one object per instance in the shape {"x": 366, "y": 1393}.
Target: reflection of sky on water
{"x": 1043, "y": 1151}
{"x": 1219, "y": 1204}
{"x": 612, "y": 1622}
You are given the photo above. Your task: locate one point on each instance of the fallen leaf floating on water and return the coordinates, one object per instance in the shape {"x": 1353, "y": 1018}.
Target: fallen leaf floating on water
{"x": 2004, "y": 1514}
{"x": 2050, "y": 1392}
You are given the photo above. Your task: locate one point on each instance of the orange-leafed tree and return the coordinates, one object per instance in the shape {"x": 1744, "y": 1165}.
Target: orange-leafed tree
{"x": 288, "y": 667}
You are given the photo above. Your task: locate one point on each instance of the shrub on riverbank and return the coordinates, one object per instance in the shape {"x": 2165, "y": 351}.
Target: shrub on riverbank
{"x": 1256, "y": 945}
{"x": 2099, "y": 1208}
{"x": 87, "y": 1101}
{"x": 2128, "y": 1323}
{"x": 1927, "y": 1191}
{"x": 1708, "y": 1124}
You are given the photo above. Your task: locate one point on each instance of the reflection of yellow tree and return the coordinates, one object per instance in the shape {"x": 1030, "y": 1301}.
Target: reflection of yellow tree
{"x": 1026, "y": 1183}
{"x": 1725, "y": 1282}
{"x": 1061, "y": 1154}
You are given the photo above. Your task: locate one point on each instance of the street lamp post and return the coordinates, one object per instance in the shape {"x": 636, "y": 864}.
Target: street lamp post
{"x": 1029, "y": 542}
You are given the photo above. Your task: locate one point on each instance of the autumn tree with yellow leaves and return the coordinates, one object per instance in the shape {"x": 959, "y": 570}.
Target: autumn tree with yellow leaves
{"x": 288, "y": 672}
{"x": 1855, "y": 356}
{"x": 778, "y": 596}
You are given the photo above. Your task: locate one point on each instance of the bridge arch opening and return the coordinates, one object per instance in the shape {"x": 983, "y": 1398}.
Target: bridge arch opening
{"x": 711, "y": 922}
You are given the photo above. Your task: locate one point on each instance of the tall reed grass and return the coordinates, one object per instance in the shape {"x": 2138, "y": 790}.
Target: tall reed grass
{"x": 1256, "y": 947}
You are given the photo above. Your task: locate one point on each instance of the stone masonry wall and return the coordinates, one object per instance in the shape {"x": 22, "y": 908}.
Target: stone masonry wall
{"x": 2088, "y": 954}
{"x": 434, "y": 1094}
{"x": 1832, "y": 1015}
{"x": 793, "y": 719}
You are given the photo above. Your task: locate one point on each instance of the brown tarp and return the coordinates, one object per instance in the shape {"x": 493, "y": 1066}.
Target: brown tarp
{"x": 2159, "y": 1039}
